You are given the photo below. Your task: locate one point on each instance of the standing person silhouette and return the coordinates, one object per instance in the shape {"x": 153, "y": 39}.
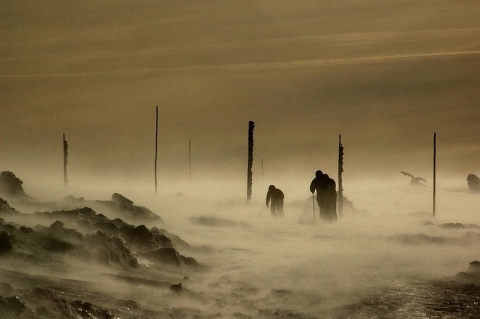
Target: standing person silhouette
{"x": 326, "y": 195}
{"x": 275, "y": 196}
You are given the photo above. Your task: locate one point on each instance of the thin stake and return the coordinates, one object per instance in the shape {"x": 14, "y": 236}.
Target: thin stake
{"x": 340, "y": 172}
{"x": 434, "y": 169}
{"x": 65, "y": 160}
{"x": 156, "y": 147}
{"x": 251, "y": 126}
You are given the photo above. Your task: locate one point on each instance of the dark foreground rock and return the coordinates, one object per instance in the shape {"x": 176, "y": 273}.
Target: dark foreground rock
{"x": 11, "y": 185}
{"x": 471, "y": 276}
{"x": 90, "y": 237}
{"x": 171, "y": 256}
{"x": 11, "y": 307}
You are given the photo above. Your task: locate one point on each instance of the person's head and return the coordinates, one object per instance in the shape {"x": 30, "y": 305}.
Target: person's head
{"x": 271, "y": 187}
{"x": 318, "y": 173}
{"x": 473, "y": 182}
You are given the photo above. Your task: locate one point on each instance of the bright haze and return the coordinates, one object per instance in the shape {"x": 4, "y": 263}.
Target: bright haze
{"x": 384, "y": 74}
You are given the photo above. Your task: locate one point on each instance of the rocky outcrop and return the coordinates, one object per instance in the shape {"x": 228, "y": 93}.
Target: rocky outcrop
{"x": 171, "y": 257}
{"x": 11, "y": 185}
{"x": 118, "y": 206}
{"x": 5, "y": 208}
{"x": 11, "y": 307}
{"x": 109, "y": 250}
{"x": 123, "y": 205}
{"x": 471, "y": 276}
{"x": 111, "y": 242}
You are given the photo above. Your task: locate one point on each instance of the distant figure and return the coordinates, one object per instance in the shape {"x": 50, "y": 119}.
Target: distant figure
{"x": 473, "y": 183}
{"x": 275, "y": 196}
{"x": 326, "y": 195}
{"x": 415, "y": 181}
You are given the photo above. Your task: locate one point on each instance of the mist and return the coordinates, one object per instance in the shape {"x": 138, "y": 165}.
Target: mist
{"x": 260, "y": 266}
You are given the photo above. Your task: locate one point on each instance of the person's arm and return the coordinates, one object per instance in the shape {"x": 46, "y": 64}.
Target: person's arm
{"x": 312, "y": 186}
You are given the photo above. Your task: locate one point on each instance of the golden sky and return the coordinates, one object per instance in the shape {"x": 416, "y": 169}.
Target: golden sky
{"x": 384, "y": 74}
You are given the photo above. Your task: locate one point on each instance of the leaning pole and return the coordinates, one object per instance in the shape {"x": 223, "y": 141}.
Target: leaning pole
{"x": 251, "y": 126}
{"x": 156, "y": 147}
{"x": 340, "y": 173}
{"x": 65, "y": 160}
{"x": 434, "y": 169}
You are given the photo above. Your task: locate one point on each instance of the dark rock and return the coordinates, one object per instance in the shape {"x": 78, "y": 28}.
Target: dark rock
{"x": 5, "y": 242}
{"x": 171, "y": 256}
{"x": 43, "y": 293}
{"x": 417, "y": 239}
{"x": 474, "y": 267}
{"x": 57, "y": 245}
{"x": 125, "y": 206}
{"x": 176, "y": 288}
{"x": 459, "y": 226}
{"x": 121, "y": 201}
{"x": 171, "y": 239}
{"x": 6, "y": 208}
{"x": 87, "y": 310}
{"x": 110, "y": 250}
{"x": 453, "y": 225}
{"x": 25, "y": 230}
{"x": 471, "y": 276}
{"x": 57, "y": 226}
{"x": 139, "y": 236}
{"x": 167, "y": 255}
{"x": 11, "y": 307}
{"x": 107, "y": 227}
{"x": 11, "y": 185}
{"x": 57, "y": 230}
{"x": 85, "y": 213}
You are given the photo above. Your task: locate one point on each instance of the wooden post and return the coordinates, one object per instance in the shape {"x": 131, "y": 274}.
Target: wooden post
{"x": 434, "y": 169}
{"x": 65, "y": 160}
{"x": 190, "y": 157}
{"x": 251, "y": 126}
{"x": 340, "y": 173}
{"x": 156, "y": 147}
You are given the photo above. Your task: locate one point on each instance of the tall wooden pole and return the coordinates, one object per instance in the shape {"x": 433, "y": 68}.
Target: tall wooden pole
{"x": 65, "y": 160}
{"x": 156, "y": 147}
{"x": 434, "y": 169}
{"x": 190, "y": 157}
{"x": 340, "y": 173}
{"x": 251, "y": 126}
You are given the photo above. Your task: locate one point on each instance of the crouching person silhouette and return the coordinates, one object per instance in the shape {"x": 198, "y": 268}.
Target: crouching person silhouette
{"x": 275, "y": 198}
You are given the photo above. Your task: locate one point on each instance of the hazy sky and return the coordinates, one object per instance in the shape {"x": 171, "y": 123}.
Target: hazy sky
{"x": 385, "y": 74}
